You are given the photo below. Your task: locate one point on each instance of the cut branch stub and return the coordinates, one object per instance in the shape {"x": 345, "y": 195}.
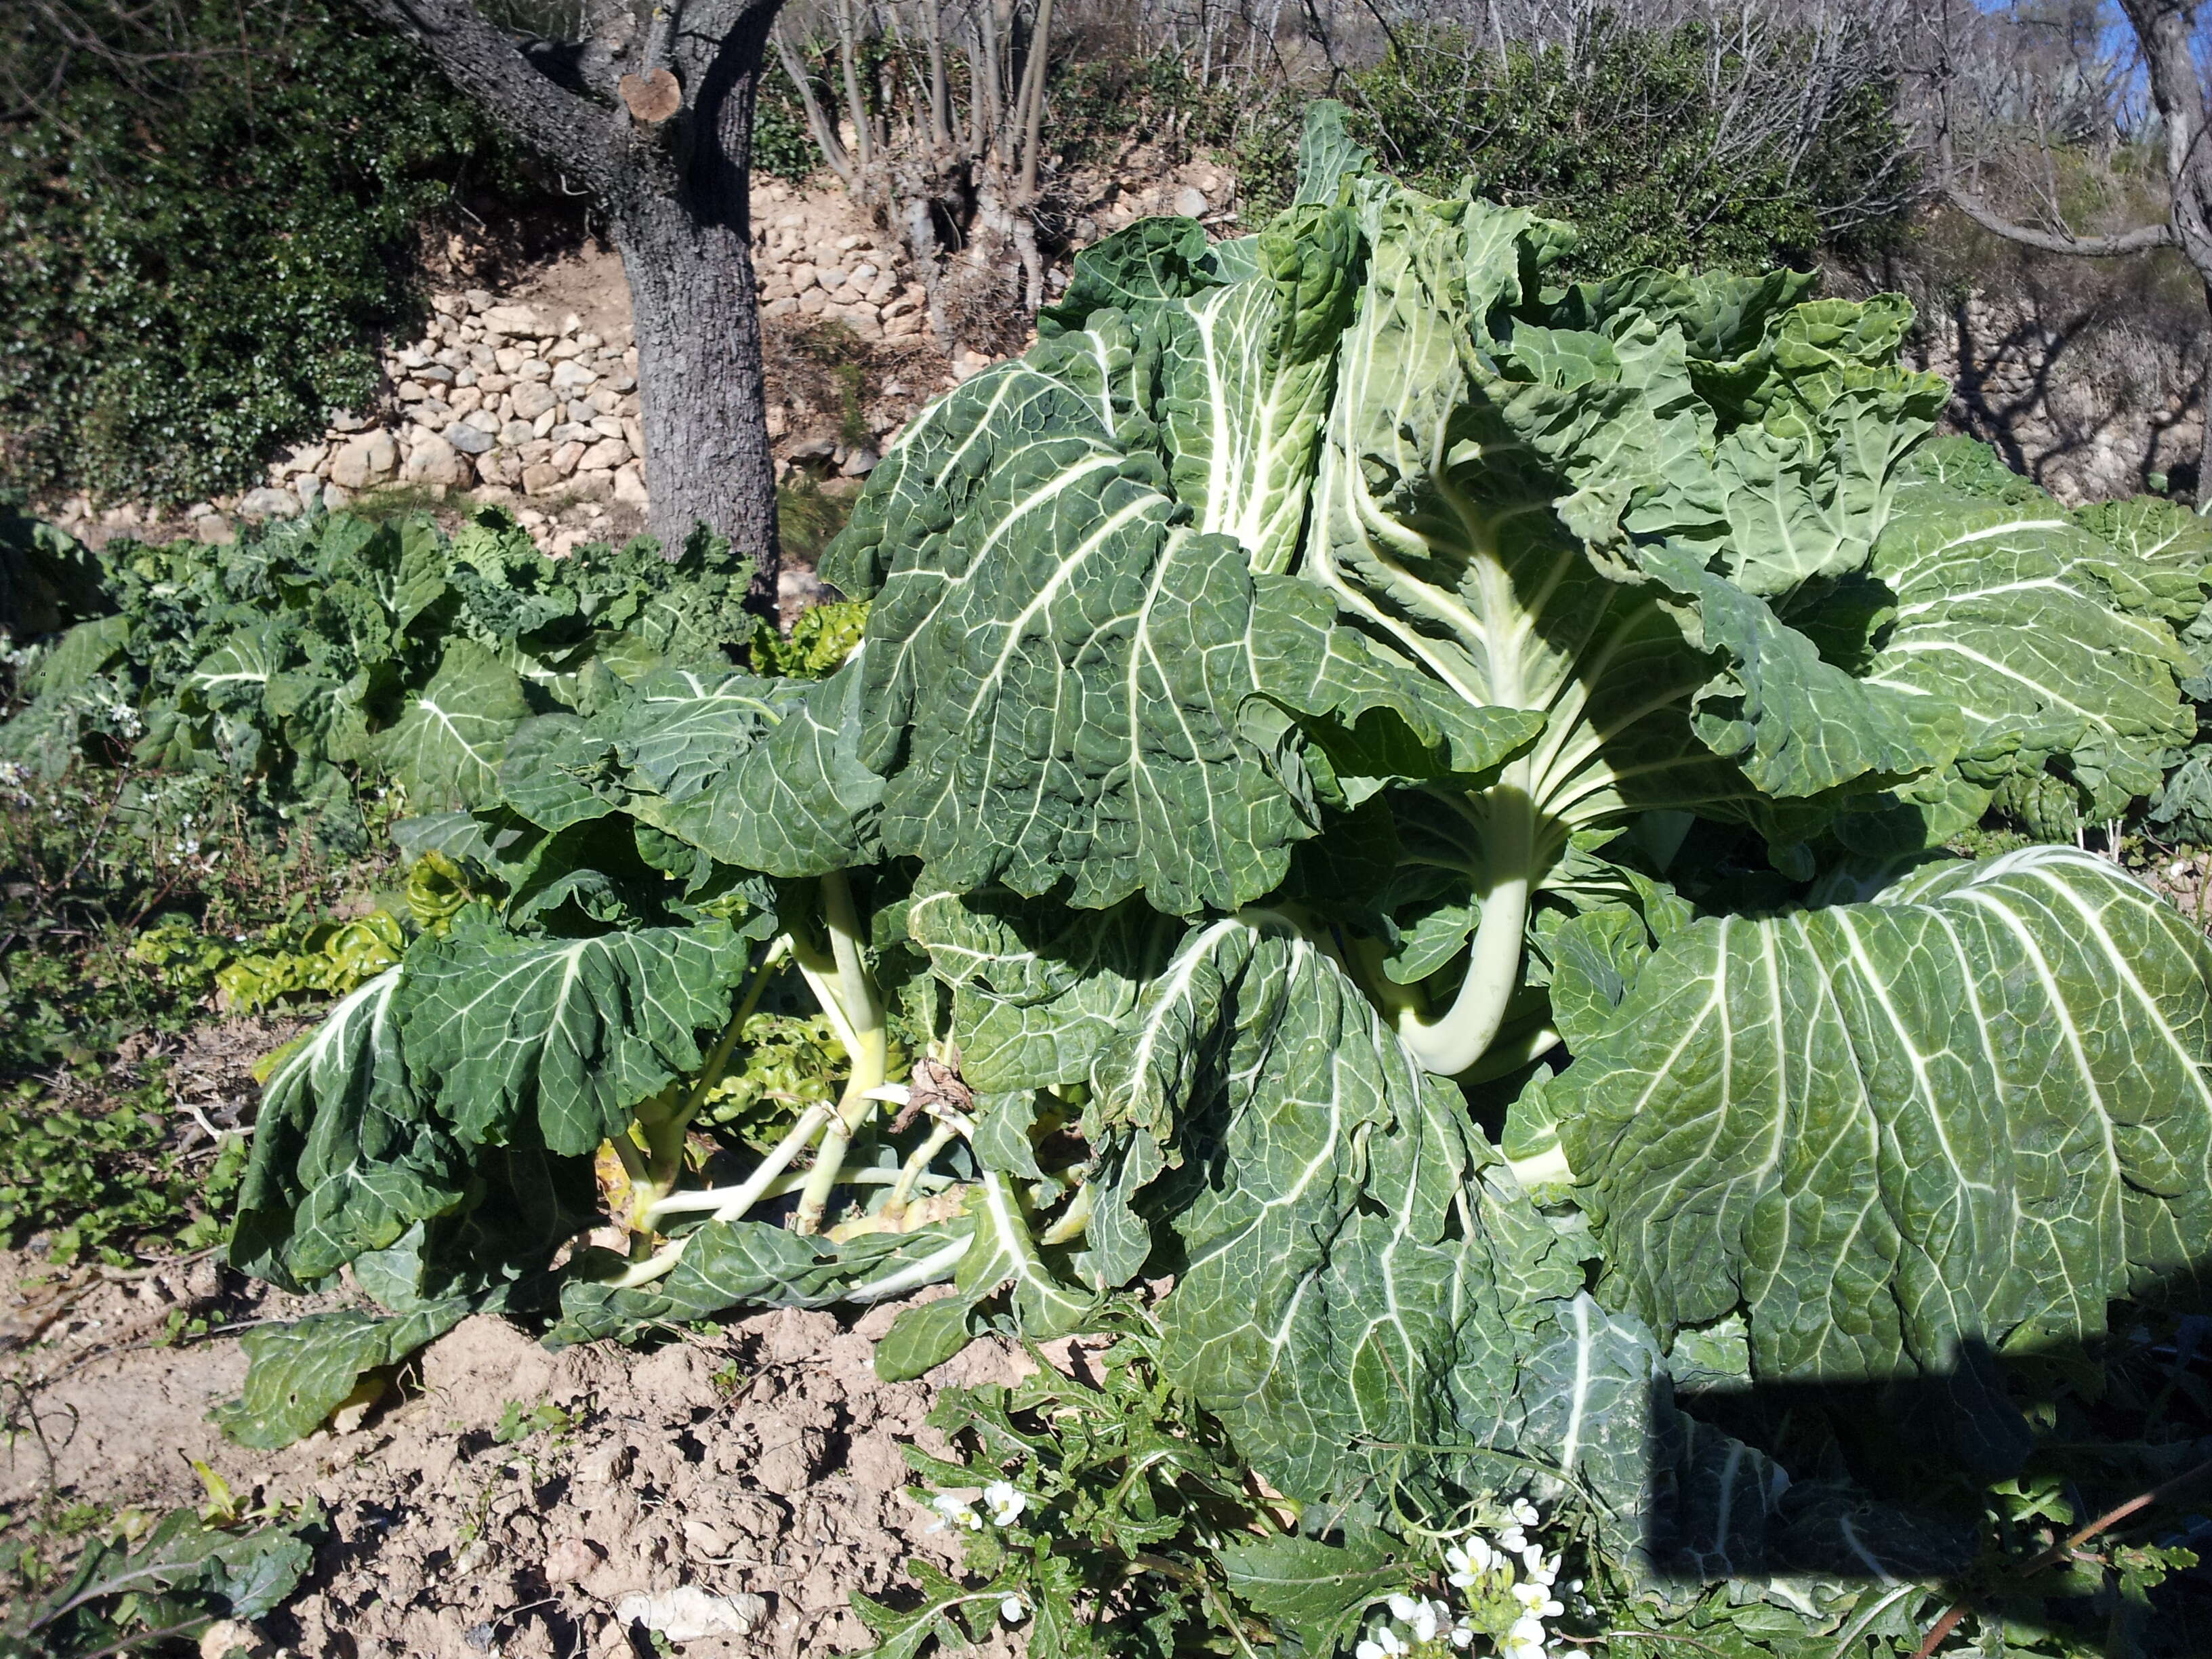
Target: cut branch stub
{"x": 652, "y": 98}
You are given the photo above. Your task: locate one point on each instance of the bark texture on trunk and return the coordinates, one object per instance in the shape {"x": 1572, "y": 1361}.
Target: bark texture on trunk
{"x": 2176, "y": 91}
{"x": 2162, "y": 30}
{"x": 686, "y": 241}
{"x": 674, "y": 174}
{"x": 706, "y": 458}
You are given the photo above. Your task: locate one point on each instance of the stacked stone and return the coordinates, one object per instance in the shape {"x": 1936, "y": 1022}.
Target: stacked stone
{"x": 849, "y": 281}
{"x": 494, "y": 396}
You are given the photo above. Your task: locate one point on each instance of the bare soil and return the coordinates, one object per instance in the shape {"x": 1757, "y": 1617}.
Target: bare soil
{"x": 760, "y": 1457}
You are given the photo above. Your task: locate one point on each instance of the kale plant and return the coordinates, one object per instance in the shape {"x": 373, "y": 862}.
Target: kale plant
{"x": 335, "y": 649}
{"x": 1405, "y": 797}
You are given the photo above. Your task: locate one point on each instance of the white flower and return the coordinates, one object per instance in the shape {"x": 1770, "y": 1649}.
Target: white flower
{"x": 1012, "y": 1611}
{"x": 953, "y": 1511}
{"x": 1527, "y": 1630}
{"x": 1402, "y": 1605}
{"x": 1461, "y": 1634}
{"x": 1381, "y": 1642}
{"x": 1513, "y": 1540}
{"x": 1469, "y": 1561}
{"x": 1427, "y": 1618}
{"x": 1007, "y": 1505}
{"x": 1524, "y": 1512}
{"x": 1519, "y": 1647}
{"x": 1537, "y": 1600}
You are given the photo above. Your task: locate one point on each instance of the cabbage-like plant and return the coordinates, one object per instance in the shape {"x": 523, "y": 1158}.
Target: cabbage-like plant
{"x": 1403, "y": 795}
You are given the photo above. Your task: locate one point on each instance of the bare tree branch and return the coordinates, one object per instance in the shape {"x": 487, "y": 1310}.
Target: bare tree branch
{"x": 577, "y": 135}
{"x": 819, "y": 126}
{"x": 2141, "y": 239}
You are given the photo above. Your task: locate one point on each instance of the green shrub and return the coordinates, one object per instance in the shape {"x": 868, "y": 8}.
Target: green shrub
{"x": 1623, "y": 143}
{"x": 782, "y": 147}
{"x": 195, "y": 266}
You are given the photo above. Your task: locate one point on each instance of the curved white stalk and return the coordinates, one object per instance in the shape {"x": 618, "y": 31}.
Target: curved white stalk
{"x": 1508, "y": 1057}
{"x": 1074, "y": 1220}
{"x": 940, "y": 1136}
{"x": 937, "y": 1265}
{"x": 709, "y": 1198}
{"x": 750, "y": 1191}
{"x": 1454, "y": 1042}
{"x": 928, "y": 1271}
{"x": 867, "y": 1048}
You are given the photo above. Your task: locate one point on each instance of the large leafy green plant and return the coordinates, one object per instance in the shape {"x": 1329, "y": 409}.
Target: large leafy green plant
{"x": 1403, "y": 796}
{"x": 335, "y": 648}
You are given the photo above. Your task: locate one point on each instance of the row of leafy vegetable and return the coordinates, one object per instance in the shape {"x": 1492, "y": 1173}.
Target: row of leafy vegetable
{"x": 337, "y": 652}
{"x": 1407, "y": 800}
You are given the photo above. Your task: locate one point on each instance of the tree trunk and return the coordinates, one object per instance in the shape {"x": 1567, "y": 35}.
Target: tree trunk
{"x": 688, "y": 254}
{"x": 661, "y": 132}
{"x": 707, "y": 457}
{"x": 2202, "y": 493}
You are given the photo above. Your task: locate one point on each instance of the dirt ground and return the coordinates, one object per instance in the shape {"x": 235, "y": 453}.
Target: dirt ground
{"x": 762, "y": 1459}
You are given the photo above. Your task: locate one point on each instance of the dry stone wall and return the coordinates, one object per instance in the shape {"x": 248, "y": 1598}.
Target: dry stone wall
{"x": 529, "y": 396}
{"x": 512, "y": 398}
{"x": 493, "y": 393}
{"x": 2085, "y": 374}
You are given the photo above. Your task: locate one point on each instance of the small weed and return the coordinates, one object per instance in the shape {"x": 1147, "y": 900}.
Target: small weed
{"x": 732, "y": 1380}
{"x": 807, "y": 517}
{"x": 396, "y": 501}
{"x": 844, "y": 355}
{"x": 123, "y": 909}
{"x": 518, "y": 1422}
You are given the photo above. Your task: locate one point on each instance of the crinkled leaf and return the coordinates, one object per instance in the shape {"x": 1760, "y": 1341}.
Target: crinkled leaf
{"x": 797, "y": 802}
{"x": 1002, "y": 1258}
{"x": 88, "y": 648}
{"x": 567, "y": 1034}
{"x": 679, "y": 728}
{"x": 1316, "y": 1591}
{"x": 1036, "y": 989}
{"x": 1328, "y": 155}
{"x": 446, "y": 747}
{"x": 1247, "y": 369}
{"x": 1798, "y": 725}
{"x": 1354, "y": 1295}
{"x": 556, "y": 770}
{"x": 732, "y": 1264}
{"x": 346, "y": 1156}
{"x": 1973, "y": 1111}
{"x": 948, "y": 1615}
{"x": 297, "y": 1374}
{"x": 1132, "y": 269}
{"x": 1680, "y": 1504}
{"x": 2050, "y": 646}
{"x": 1488, "y": 490}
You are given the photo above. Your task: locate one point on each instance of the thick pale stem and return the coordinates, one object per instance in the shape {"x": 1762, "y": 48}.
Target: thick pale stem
{"x": 940, "y": 1136}
{"x": 867, "y": 1047}
{"x": 748, "y": 1191}
{"x": 735, "y": 1199}
{"x": 868, "y": 1066}
{"x": 1511, "y": 1056}
{"x": 665, "y": 1121}
{"x": 711, "y": 1198}
{"x": 1450, "y": 1045}
{"x": 931, "y": 1269}
{"x": 937, "y": 1265}
{"x": 1074, "y": 1220}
